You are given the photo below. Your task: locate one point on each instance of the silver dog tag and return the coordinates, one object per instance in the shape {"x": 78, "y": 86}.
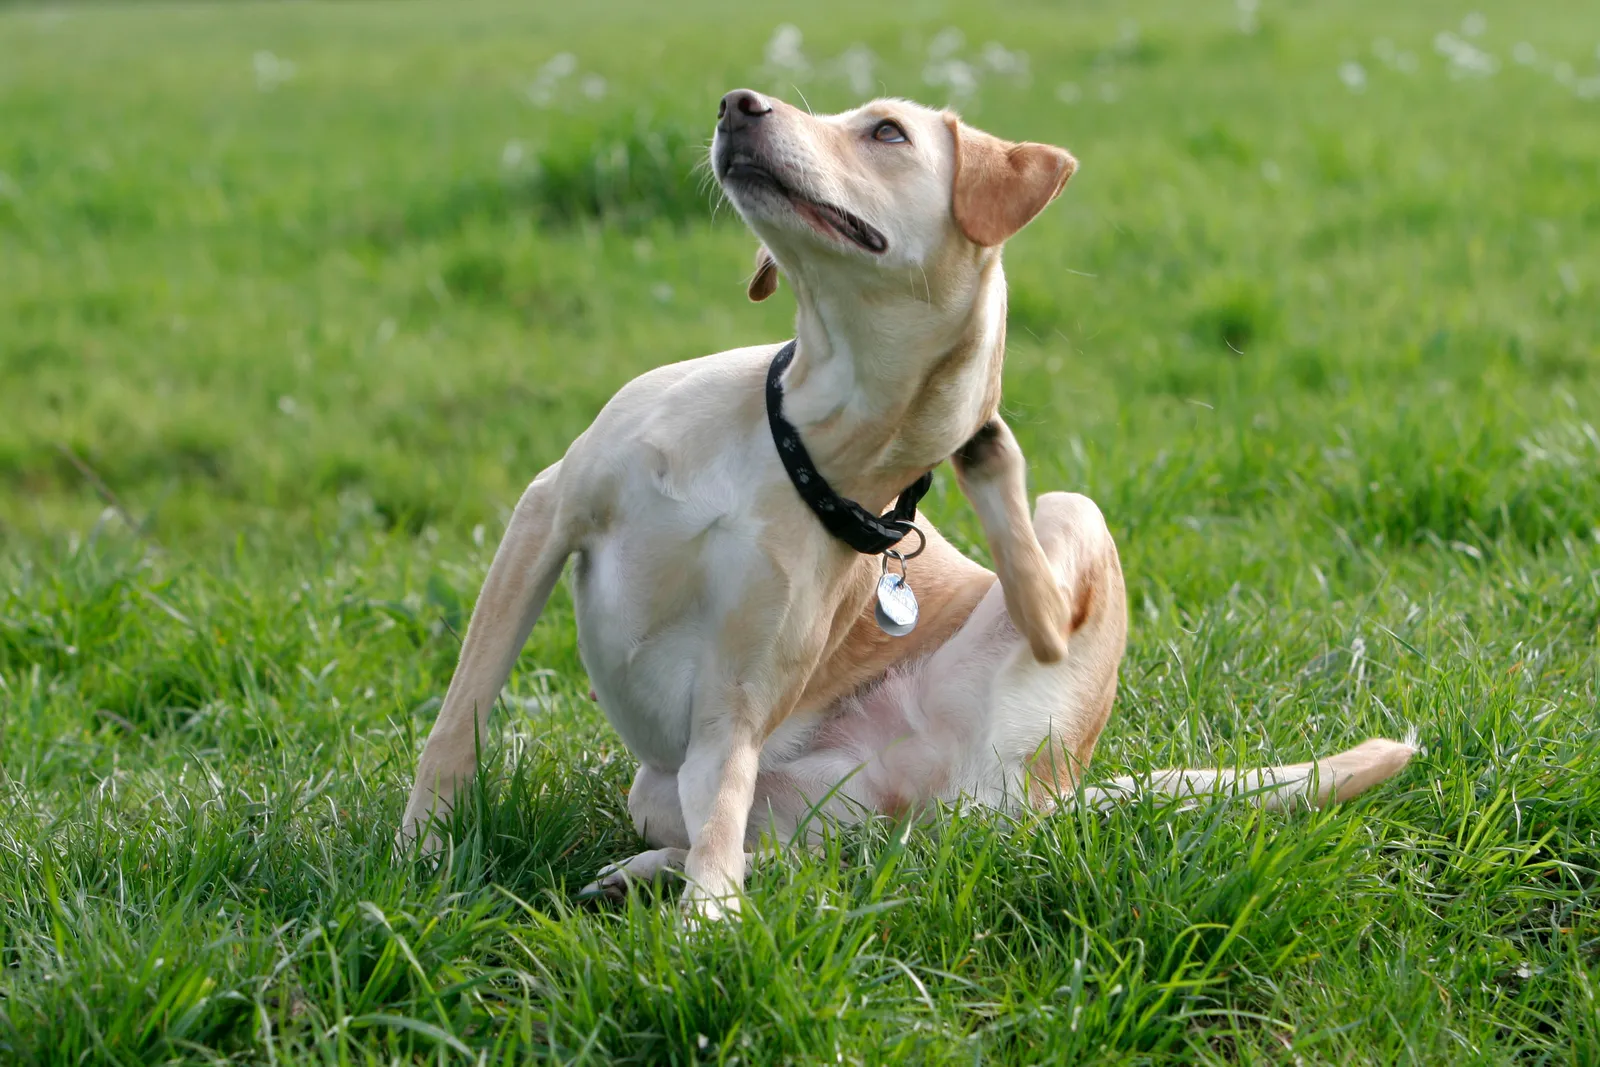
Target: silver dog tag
{"x": 897, "y": 606}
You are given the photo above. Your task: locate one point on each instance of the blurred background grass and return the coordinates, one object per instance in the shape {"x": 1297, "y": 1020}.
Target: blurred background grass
{"x": 295, "y": 298}
{"x": 262, "y": 259}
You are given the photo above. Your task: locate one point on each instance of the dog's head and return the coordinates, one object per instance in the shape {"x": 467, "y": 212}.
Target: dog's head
{"x": 888, "y": 187}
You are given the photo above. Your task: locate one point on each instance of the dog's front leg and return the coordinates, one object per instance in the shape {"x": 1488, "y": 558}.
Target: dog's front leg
{"x": 717, "y": 786}
{"x": 525, "y": 569}
{"x": 993, "y": 475}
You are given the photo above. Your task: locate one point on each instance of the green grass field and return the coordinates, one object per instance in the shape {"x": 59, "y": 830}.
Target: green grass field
{"x": 294, "y": 298}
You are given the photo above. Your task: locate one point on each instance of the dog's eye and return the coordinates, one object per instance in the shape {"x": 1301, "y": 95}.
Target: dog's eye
{"x": 889, "y": 133}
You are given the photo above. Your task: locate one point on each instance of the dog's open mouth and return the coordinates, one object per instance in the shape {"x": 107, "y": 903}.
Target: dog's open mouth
{"x": 824, "y": 218}
{"x": 851, "y": 227}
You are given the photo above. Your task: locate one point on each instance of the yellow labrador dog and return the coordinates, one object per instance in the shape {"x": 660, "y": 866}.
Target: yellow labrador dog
{"x": 739, "y": 634}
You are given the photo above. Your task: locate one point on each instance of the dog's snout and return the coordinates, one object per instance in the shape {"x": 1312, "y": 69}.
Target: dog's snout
{"x": 741, "y": 110}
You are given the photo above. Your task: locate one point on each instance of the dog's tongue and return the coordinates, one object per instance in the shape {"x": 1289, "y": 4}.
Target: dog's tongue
{"x": 824, "y": 219}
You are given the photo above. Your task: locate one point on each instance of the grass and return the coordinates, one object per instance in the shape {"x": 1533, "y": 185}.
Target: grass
{"x": 295, "y": 298}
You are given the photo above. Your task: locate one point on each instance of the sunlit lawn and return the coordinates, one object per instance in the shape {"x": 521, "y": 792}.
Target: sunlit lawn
{"x": 294, "y": 298}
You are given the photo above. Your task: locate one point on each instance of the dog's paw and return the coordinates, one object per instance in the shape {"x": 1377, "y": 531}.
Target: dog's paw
{"x": 700, "y": 908}
{"x": 646, "y": 868}
{"x": 406, "y": 847}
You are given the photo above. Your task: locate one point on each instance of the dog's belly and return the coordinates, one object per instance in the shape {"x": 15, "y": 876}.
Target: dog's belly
{"x": 963, "y": 723}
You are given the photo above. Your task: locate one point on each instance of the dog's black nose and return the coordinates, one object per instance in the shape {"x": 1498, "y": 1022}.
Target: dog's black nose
{"x": 740, "y": 110}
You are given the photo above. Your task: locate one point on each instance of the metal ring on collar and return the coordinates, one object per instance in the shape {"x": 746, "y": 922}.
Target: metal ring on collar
{"x": 922, "y": 542}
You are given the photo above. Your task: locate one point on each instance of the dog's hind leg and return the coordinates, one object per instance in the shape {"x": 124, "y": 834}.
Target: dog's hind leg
{"x": 657, "y": 812}
{"x": 525, "y": 569}
{"x": 658, "y": 817}
{"x": 1077, "y": 692}
{"x": 1056, "y": 711}
{"x": 647, "y": 868}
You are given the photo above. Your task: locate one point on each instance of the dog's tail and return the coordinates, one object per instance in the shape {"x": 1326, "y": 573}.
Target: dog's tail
{"x": 1319, "y": 783}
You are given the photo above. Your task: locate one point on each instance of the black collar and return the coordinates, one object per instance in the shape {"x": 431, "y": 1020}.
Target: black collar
{"x": 851, "y": 523}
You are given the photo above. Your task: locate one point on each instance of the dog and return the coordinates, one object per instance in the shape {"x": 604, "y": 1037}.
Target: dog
{"x": 735, "y": 640}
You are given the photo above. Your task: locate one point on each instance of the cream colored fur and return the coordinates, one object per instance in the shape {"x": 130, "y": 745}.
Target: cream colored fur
{"x": 728, "y": 637}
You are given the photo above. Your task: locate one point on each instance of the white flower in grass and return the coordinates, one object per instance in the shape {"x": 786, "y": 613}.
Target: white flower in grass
{"x": 954, "y": 74}
{"x": 947, "y": 42}
{"x": 593, "y": 86}
{"x": 1249, "y": 15}
{"x": 1394, "y": 58}
{"x": 512, "y": 155}
{"x": 1354, "y": 76}
{"x": 855, "y": 65}
{"x": 559, "y": 67}
{"x": 1002, "y": 60}
{"x": 1069, "y": 92}
{"x": 271, "y": 71}
{"x": 1525, "y": 54}
{"x": 783, "y": 51}
{"x": 1467, "y": 60}
{"x": 1474, "y": 24}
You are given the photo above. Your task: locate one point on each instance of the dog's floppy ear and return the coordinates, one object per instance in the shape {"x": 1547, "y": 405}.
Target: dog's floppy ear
{"x": 1000, "y": 185}
{"x": 765, "y": 280}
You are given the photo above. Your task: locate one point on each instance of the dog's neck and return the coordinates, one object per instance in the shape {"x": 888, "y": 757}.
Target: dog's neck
{"x": 883, "y": 390}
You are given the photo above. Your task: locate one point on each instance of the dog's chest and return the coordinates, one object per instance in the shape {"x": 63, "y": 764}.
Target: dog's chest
{"x": 653, "y": 593}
